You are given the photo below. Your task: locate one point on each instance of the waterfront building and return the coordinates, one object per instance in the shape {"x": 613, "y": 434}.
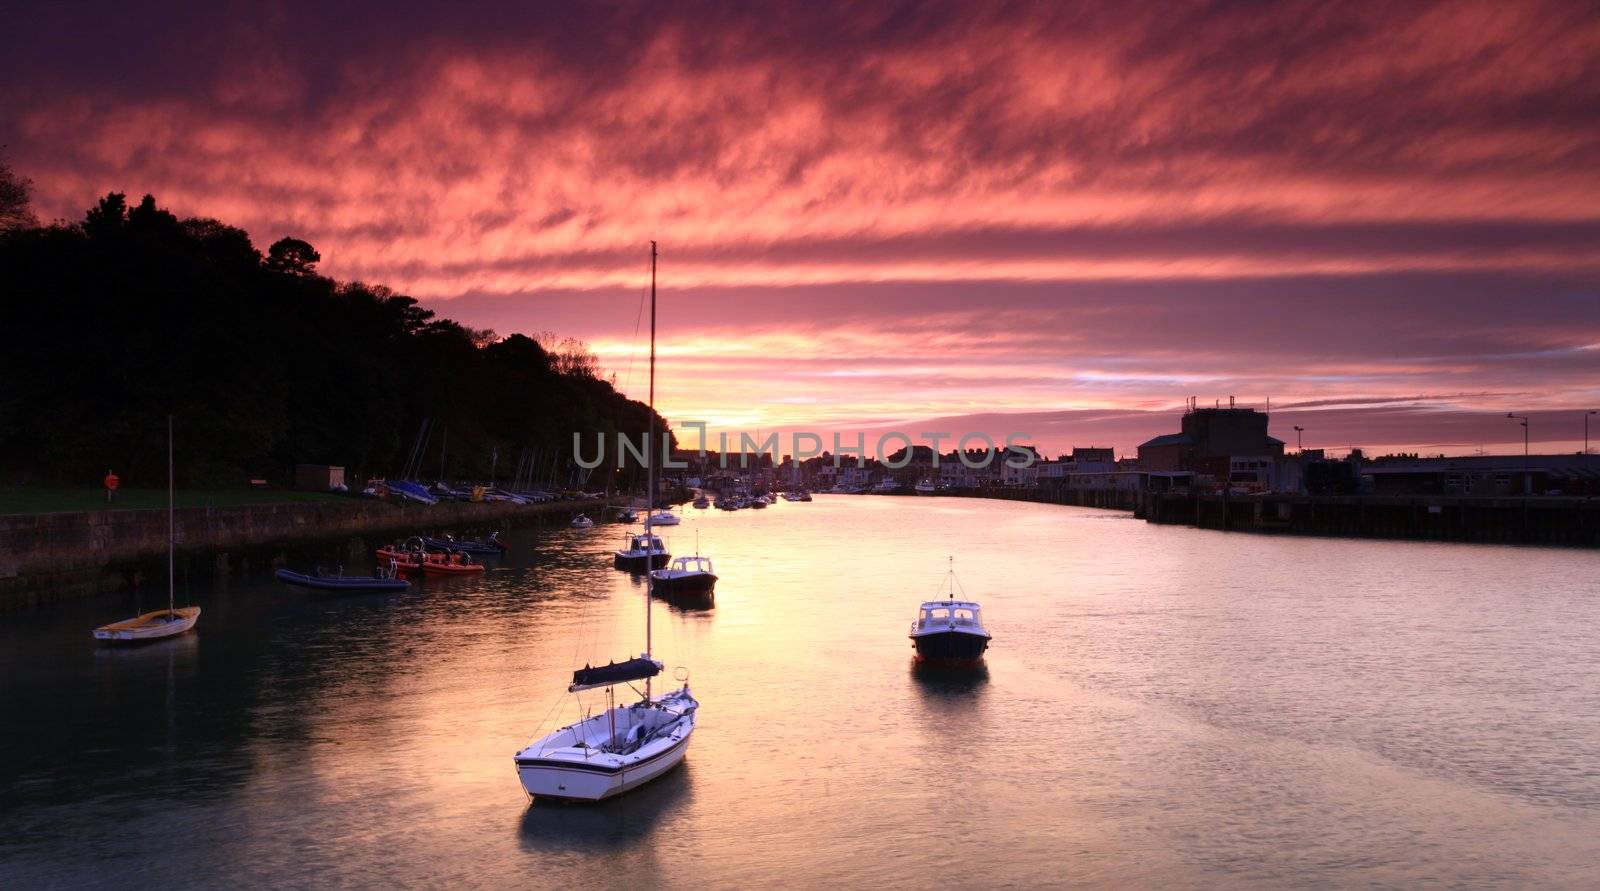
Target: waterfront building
{"x": 1208, "y": 441}
{"x": 1485, "y": 476}
{"x": 1092, "y": 457}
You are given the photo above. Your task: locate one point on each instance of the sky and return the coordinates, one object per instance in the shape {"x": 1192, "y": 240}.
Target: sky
{"x": 1052, "y": 218}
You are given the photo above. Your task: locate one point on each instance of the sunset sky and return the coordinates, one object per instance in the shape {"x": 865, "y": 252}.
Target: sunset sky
{"x": 1052, "y": 218}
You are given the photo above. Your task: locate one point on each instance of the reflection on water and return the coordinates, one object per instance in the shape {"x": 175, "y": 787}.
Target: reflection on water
{"x": 1161, "y": 706}
{"x": 950, "y": 683}
{"x": 619, "y": 824}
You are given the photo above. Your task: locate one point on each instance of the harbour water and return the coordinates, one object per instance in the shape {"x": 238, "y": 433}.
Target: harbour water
{"x": 1162, "y": 706}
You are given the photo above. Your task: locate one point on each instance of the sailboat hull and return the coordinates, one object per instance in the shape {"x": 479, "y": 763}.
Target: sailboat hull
{"x": 565, "y": 781}
{"x": 596, "y": 758}
{"x": 159, "y": 625}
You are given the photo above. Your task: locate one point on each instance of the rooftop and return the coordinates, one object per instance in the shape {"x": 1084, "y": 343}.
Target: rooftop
{"x": 1169, "y": 439}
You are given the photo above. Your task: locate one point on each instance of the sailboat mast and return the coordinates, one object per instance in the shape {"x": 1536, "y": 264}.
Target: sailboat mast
{"x": 650, "y": 477}
{"x": 171, "y": 609}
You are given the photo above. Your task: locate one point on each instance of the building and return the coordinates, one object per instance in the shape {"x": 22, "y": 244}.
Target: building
{"x": 1486, "y": 476}
{"x": 1093, "y": 455}
{"x": 318, "y": 477}
{"x": 1208, "y": 441}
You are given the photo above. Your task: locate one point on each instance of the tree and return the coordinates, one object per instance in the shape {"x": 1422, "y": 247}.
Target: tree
{"x": 265, "y": 364}
{"x": 150, "y": 218}
{"x": 107, "y": 217}
{"x": 16, "y": 194}
{"x": 293, "y": 256}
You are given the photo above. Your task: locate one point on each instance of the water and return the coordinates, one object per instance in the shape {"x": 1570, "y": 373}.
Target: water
{"x": 1162, "y": 707}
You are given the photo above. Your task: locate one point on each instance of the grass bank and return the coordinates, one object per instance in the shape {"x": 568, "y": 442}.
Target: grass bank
{"x": 38, "y": 500}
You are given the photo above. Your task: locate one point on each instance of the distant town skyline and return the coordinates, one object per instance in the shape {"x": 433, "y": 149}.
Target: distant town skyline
{"x": 1060, "y": 219}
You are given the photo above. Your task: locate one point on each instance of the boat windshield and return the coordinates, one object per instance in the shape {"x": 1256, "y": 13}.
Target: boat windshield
{"x": 950, "y": 614}
{"x": 647, "y": 542}
{"x": 694, "y": 564}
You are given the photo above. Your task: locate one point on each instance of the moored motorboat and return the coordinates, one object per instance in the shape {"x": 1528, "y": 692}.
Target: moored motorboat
{"x": 582, "y": 521}
{"x": 950, "y": 631}
{"x": 345, "y": 584}
{"x": 450, "y": 564}
{"x": 627, "y": 515}
{"x": 643, "y": 553}
{"x": 701, "y": 502}
{"x": 926, "y": 487}
{"x": 412, "y": 556}
{"x": 686, "y": 577}
{"x": 665, "y": 518}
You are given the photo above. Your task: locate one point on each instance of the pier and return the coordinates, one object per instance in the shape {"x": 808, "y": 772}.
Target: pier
{"x": 1549, "y": 520}
{"x": 1545, "y": 520}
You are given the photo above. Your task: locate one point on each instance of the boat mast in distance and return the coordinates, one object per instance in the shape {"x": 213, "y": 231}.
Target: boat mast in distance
{"x": 650, "y": 471}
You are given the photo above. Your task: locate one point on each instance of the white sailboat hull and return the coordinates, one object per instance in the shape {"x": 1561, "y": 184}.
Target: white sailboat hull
{"x": 568, "y": 765}
{"x": 568, "y": 783}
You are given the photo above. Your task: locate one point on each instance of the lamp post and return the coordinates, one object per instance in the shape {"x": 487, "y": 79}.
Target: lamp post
{"x": 1586, "y": 428}
{"x": 1300, "y": 447}
{"x": 1527, "y": 477}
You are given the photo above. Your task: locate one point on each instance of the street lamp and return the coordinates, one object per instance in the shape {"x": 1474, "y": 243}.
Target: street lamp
{"x": 1527, "y": 476}
{"x": 1299, "y": 447}
{"x": 1586, "y": 428}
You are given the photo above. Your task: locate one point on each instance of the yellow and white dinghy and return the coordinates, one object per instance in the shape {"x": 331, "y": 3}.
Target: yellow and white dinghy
{"x": 159, "y": 625}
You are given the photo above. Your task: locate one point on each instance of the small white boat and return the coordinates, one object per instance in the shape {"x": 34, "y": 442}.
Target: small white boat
{"x": 702, "y": 502}
{"x": 926, "y": 487}
{"x": 665, "y": 518}
{"x": 886, "y": 487}
{"x": 625, "y": 745}
{"x": 164, "y": 623}
{"x": 627, "y": 515}
{"x": 582, "y": 521}
{"x": 622, "y": 747}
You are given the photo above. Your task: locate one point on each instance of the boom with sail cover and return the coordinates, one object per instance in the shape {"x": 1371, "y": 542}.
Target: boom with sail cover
{"x": 587, "y": 678}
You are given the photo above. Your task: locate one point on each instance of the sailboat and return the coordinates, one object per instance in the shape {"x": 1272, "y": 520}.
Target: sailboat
{"x": 624, "y": 746}
{"x": 163, "y": 623}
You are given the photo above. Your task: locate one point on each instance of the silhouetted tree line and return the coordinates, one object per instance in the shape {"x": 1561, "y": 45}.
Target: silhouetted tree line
{"x": 133, "y": 313}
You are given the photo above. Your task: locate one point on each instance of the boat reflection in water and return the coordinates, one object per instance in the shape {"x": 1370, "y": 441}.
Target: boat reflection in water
{"x": 617, "y": 825}
{"x": 949, "y": 683}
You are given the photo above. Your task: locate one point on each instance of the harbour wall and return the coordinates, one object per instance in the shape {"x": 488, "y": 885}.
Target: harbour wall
{"x": 47, "y": 557}
{"x": 1546, "y": 520}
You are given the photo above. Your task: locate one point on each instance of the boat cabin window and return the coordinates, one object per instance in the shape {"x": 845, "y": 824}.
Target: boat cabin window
{"x": 960, "y": 615}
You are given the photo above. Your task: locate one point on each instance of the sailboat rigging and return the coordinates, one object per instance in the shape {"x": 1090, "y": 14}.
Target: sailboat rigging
{"x": 162, "y": 623}
{"x": 628, "y": 745}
